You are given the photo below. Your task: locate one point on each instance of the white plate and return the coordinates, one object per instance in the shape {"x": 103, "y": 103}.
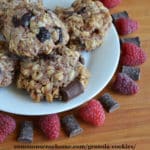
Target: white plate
{"x": 102, "y": 64}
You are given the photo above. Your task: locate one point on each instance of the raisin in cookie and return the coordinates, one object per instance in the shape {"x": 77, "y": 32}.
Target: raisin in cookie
{"x": 7, "y": 68}
{"x": 43, "y": 77}
{"x": 87, "y": 22}
{"x": 31, "y": 30}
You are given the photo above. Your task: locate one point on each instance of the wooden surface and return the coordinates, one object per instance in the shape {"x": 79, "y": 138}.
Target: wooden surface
{"x": 131, "y": 123}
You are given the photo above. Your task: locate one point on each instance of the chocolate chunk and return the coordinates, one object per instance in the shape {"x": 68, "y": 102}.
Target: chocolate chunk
{"x": 60, "y": 40}
{"x": 82, "y": 60}
{"x": 82, "y": 10}
{"x": 2, "y": 38}
{"x": 132, "y": 72}
{"x": 25, "y": 19}
{"x": 43, "y": 35}
{"x": 72, "y": 90}
{"x": 109, "y": 103}
{"x": 135, "y": 40}
{"x": 16, "y": 21}
{"x": 123, "y": 14}
{"x": 26, "y": 132}
{"x": 71, "y": 126}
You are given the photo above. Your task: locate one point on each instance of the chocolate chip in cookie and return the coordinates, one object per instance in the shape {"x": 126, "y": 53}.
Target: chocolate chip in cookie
{"x": 43, "y": 35}
{"x": 60, "y": 39}
{"x": 82, "y": 60}
{"x": 82, "y": 10}
{"x": 16, "y": 21}
{"x": 25, "y": 19}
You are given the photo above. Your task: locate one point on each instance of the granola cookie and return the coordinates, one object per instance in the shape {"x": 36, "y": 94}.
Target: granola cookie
{"x": 7, "y": 68}
{"x": 31, "y": 30}
{"x": 87, "y": 22}
{"x": 43, "y": 77}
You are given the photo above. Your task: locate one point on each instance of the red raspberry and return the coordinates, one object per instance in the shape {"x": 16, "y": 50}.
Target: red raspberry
{"x": 125, "y": 85}
{"x": 7, "y": 126}
{"x": 93, "y": 113}
{"x": 50, "y": 125}
{"x": 132, "y": 55}
{"x": 2, "y": 136}
{"x": 111, "y": 3}
{"x": 125, "y": 26}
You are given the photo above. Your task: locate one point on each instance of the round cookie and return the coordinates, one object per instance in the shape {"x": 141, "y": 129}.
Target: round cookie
{"x": 7, "y": 68}
{"x": 31, "y": 30}
{"x": 87, "y": 22}
{"x": 44, "y": 77}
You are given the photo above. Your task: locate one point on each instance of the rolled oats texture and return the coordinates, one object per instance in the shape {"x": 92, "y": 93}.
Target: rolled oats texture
{"x": 43, "y": 77}
{"x": 7, "y": 69}
{"x": 87, "y": 22}
{"x": 23, "y": 40}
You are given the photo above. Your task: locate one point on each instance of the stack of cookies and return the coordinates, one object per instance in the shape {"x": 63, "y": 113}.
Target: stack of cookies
{"x": 41, "y": 49}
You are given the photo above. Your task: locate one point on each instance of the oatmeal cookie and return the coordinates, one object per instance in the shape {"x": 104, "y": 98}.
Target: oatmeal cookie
{"x": 44, "y": 77}
{"x": 31, "y": 30}
{"x": 87, "y": 22}
{"x": 7, "y": 68}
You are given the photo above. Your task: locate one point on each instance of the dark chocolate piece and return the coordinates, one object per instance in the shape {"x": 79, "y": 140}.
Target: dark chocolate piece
{"x": 123, "y": 14}
{"x": 72, "y": 90}
{"x": 71, "y": 126}
{"x": 16, "y": 21}
{"x": 43, "y": 35}
{"x": 132, "y": 72}
{"x": 26, "y": 132}
{"x": 82, "y": 10}
{"x": 109, "y": 103}
{"x": 135, "y": 40}
{"x": 82, "y": 60}
{"x": 25, "y": 19}
{"x": 2, "y": 38}
{"x": 60, "y": 40}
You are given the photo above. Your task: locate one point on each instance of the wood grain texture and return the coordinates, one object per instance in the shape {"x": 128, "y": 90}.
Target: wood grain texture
{"x": 131, "y": 123}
